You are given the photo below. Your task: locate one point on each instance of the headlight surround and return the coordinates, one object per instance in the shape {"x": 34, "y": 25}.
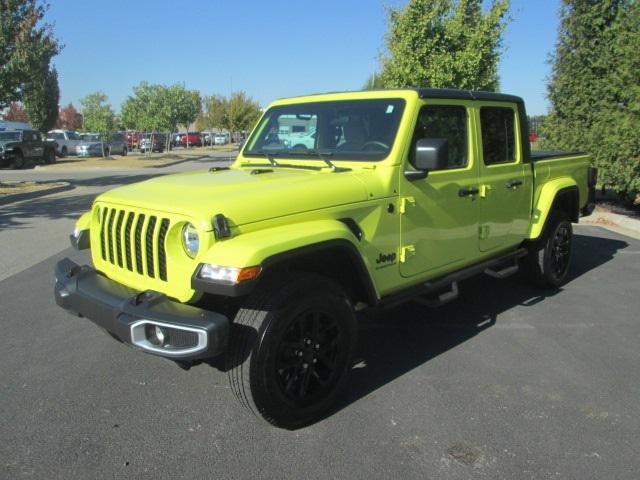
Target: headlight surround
{"x": 190, "y": 240}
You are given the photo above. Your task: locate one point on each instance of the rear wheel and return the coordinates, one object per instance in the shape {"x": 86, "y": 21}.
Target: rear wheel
{"x": 291, "y": 349}
{"x": 50, "y": 156}
{"x": 64, "y": 152}
{"x": 18, "y": 160}
{"x": 548, "y": 260}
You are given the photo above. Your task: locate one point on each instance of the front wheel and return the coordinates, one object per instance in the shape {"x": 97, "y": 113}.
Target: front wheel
{"x": 547, "y": 262}
{"x": 291, "y": 349}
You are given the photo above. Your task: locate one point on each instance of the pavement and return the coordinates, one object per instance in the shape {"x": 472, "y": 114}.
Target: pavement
{"x": 508, "y": 382}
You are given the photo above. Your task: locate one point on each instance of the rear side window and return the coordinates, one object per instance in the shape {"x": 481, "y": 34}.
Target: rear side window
{"x": 445, "y": 121}
{"x": 498, "y": 137}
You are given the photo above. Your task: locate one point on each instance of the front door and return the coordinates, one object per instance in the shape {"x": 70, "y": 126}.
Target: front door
{"x": 439, "y": 213}
{"x": 505, "y": 180}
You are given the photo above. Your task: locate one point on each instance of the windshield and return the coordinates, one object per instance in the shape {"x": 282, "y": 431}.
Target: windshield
{"x": 91, "y": 137}
{"x": 351, "y": 129}
{"x": 9, "y": 136}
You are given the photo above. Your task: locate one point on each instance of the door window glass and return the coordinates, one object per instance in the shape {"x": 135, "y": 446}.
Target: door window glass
{"x": 498, "y": 134}
{"x": 445, "y": 121}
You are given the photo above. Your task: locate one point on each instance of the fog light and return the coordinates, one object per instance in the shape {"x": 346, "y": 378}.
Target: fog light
{"x": 155, "y": 334}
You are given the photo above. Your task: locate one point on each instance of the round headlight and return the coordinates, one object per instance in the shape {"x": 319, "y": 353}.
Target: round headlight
{"x": 190, "y": 240}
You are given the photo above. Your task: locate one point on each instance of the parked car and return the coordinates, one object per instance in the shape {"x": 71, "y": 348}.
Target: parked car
{"x": 93, "y": 146}
{"x": 268, "y": 272}
{"x": 221, "y": 139}
{"x": 66, "y": 141}
{"x": 194, "y": 138}
{"x": 132, "y": 139}
{"x": 18, "y": 148}
{"x": 158, "y": 139}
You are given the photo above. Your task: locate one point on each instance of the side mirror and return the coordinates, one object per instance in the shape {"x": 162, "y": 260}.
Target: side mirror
{"x": 430, "y": 154}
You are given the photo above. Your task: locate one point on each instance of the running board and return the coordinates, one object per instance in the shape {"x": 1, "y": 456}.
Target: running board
{"x": 441, "y": 299}
{"x": 503, "y": 273}
{"x": 439, "y": 283}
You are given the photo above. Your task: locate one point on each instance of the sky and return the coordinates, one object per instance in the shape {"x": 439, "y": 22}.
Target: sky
{"x": 268, "y": 49}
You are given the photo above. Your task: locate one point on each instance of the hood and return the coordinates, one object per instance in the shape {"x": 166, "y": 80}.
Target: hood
{"x": 239, "y": 195}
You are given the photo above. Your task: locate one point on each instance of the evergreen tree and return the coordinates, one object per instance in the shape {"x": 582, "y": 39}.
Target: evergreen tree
{"x": 444, "y": 43}
{"x": 595, "y": 88}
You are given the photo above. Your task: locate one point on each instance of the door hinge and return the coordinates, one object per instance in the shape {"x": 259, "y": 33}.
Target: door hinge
{"x": 406, "y": 252}
{"x": 405, "y": 202}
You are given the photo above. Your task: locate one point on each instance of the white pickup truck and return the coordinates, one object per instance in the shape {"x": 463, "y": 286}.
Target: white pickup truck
{"x": 66, "y": 141}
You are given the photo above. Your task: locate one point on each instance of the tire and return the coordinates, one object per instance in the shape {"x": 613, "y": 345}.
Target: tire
{"x": 291, "y": 349}
{"x": 50, "y": 157}
{"x": 18, "y": 160}
{"x": 548, "y": 260}
{"x": 63, "y": 152}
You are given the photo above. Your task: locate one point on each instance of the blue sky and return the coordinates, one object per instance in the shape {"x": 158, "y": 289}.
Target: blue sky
{"x": 270, "y": 50}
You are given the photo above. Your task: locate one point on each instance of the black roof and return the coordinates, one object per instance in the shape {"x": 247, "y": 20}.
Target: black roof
{"x": 446, "y": 93}
{"x": 452, "y": 93}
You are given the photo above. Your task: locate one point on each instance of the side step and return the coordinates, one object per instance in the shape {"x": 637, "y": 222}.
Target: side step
{"x": 504, "y": 272}
{"x": 441, "y": 299}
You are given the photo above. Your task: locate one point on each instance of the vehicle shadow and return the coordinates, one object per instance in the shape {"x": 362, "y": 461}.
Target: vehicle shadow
{"x": 394, "y": 342}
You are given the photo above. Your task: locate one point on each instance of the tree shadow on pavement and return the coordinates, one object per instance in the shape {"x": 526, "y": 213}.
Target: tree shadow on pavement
{"x": 394, "y": 342}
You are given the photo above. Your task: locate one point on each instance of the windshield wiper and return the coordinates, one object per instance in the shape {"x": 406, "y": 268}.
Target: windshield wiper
{"x": 324, "y": 156}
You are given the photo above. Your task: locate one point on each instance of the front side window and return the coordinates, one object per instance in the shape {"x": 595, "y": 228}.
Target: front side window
{"x": 349, "y": 130}
{"x": 498, "y": 134}
{"x": 448, "y": 122}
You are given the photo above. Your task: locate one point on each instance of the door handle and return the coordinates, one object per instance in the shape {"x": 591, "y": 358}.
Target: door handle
{"x": 513, "y": 183}
{"x": 465, "y": 192}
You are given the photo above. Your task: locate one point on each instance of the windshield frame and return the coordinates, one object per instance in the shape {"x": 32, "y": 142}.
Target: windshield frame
{"x": 399, "y": 103}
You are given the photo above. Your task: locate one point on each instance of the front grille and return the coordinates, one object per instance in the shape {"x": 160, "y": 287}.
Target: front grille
{"x": 134, "y": 241}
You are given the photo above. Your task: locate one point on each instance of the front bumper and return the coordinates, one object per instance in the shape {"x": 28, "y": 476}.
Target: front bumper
{"x": 191, "y": 333}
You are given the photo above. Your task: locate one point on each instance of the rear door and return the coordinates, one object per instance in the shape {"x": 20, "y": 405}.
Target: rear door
{"x": 439, "y": 222}
{"x": 505, "y": 180}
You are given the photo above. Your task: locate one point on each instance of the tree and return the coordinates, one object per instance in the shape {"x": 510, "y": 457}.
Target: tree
{"x": 69, "y": 118}
{"x": 595, "y": 89}
{"x": 16, "y": 113}
{"x": 242, "y": 113}
{"x": 444, "y": 44}
{"x": 41, "y": 99}
{"x": 213, "y": 114}
{"x": 26, "y": 44}
{"x": 98, "y": 116}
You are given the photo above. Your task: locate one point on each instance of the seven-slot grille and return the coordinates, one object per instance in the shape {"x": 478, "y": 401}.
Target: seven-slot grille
{"x": 133, "y": 241}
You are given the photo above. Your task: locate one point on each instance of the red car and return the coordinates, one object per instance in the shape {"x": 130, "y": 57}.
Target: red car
{"x": 132, "y": 139}
{"x": 194, "y": 139}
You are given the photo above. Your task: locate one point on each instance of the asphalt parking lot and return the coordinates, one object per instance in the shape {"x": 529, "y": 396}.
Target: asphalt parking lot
{"x": 507, "y": 382}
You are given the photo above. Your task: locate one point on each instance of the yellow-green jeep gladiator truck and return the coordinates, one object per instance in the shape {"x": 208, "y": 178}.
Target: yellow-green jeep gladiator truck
{"x": 394, "y": 195}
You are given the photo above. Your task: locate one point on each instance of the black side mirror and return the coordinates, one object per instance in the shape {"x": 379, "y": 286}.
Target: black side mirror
{"x": 430, "y": 154}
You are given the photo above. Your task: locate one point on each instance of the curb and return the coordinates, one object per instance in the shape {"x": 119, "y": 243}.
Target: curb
{"x": 613, "y": 221}
{"x": 18, "y": 197}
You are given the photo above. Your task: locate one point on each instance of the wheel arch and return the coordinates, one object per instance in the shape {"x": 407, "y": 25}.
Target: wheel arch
{"x": 327, "y": 247}
{"x": 558, "y": 195}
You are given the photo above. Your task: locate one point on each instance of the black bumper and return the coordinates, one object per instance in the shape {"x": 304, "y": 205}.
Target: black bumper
{"x": 124, "y": 312}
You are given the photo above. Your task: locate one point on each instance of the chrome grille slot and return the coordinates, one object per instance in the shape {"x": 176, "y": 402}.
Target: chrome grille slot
{"x": 135, "y": 242}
